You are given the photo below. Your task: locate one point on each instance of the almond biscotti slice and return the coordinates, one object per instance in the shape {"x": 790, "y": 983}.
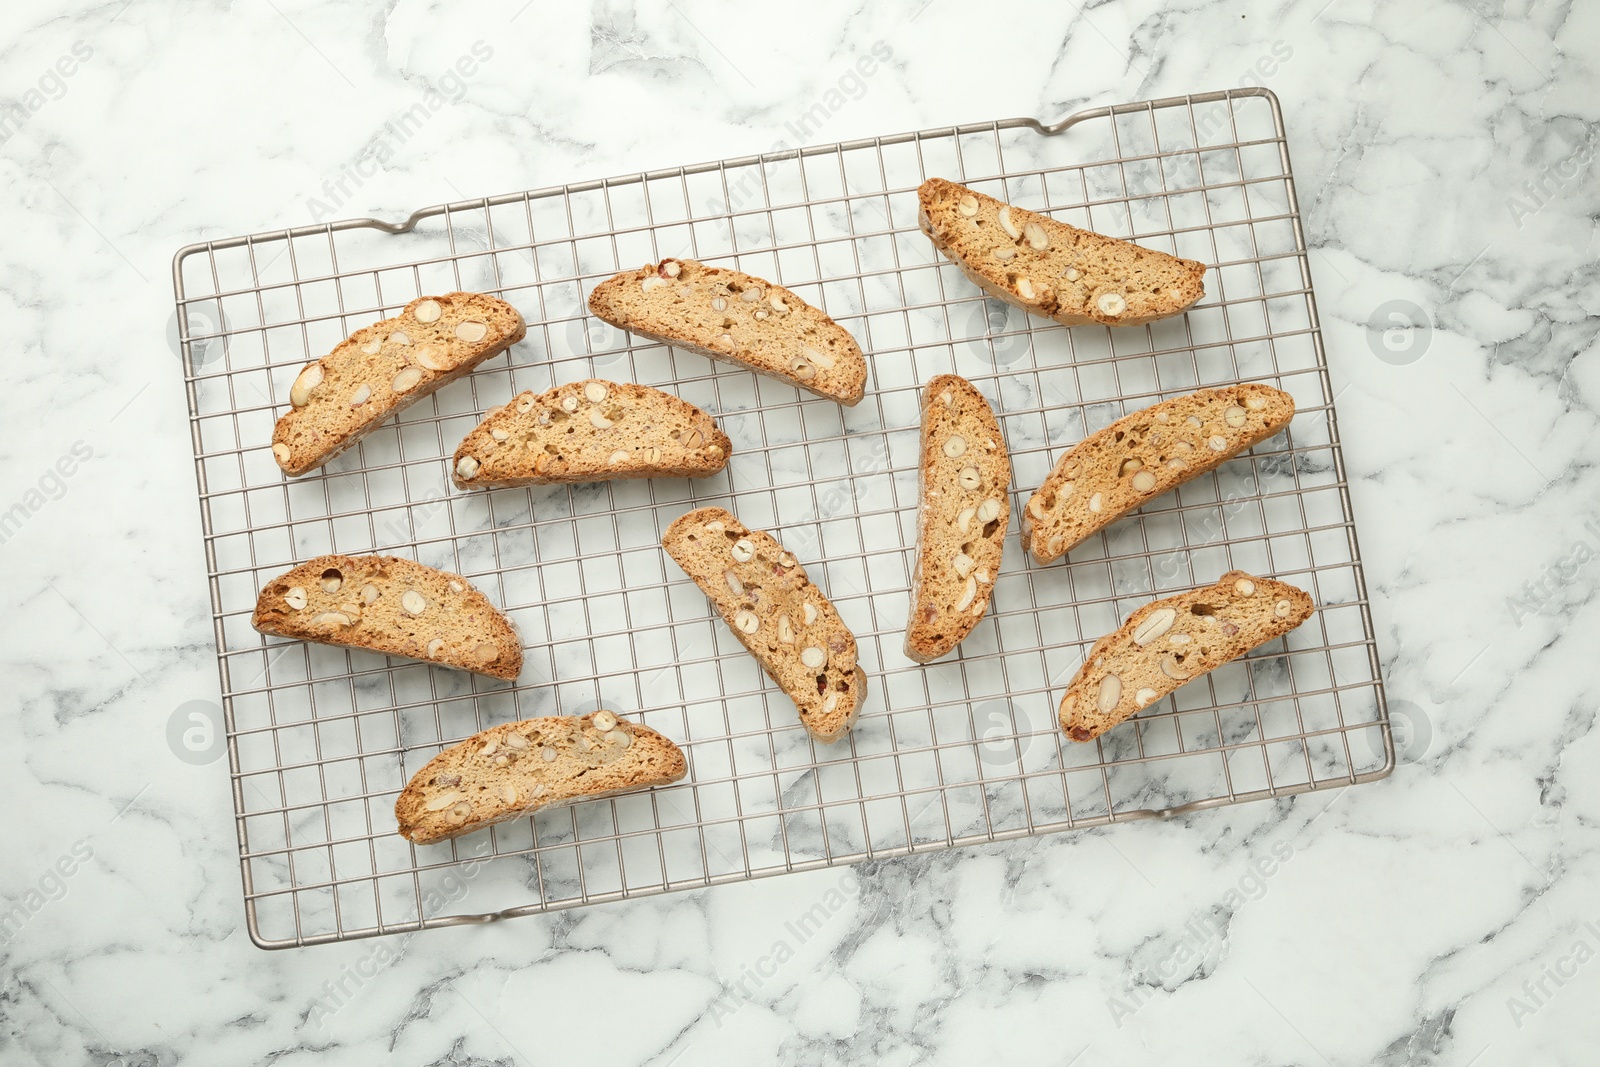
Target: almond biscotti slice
{"x": 518, "y": 768}
{"x": 384, "y": 369}
{"x": 1169, "y": 642}
{"x": 395, "y": 606}
{"x": 590, "y": 431}
{"x": 1049, "y": 268}
{"x": 731, "y": 316}
{"x": 1141, "y": 456}
{"x": 774, "y": 610}
{"x": 962, "y": 484}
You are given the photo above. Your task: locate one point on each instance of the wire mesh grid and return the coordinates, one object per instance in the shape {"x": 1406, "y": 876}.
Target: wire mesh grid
{"x": 965, "y": 750}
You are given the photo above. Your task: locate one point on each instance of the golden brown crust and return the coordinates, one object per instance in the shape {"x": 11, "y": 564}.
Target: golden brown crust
{"x": 764, "y": 596}
{"x": 1140, "y": 456}
{"x": 1053, "y": 269}
{"x": 728, "y": 315}
{"x": 1170, "y": 642}
{"x": 964, "y": 479}
{"x": 517, "y": 768}
{"x": 391, "y": 605}
{"x": 385, "y": 368}
{"x": 590, "y": 431}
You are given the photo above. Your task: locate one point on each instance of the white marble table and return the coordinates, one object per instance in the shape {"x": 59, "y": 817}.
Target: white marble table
{"x": 1445, "y": 915}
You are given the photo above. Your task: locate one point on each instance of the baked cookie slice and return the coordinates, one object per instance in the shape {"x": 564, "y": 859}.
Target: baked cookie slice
{"x": 731, "y": 316}
{"x": 384, "y": 369}
{"x": 788, "y": 625}
{"x": 590, "y": 431}
{"x": 515, "y": 769}
{"x": 1169, "y": 642}
{"x": 962, "y": 484}
{"x": 395, "y": 606}
{"x": 1141, "y": 456}
{"x": 1051, "y": 269}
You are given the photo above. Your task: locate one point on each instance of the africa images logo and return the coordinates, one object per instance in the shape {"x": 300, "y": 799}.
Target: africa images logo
{"x": 1544, "y": 589}
{"x": 1399, "y": 332}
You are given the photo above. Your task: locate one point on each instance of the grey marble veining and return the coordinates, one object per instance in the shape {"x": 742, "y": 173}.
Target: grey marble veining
{"x": 1445, "y": 157}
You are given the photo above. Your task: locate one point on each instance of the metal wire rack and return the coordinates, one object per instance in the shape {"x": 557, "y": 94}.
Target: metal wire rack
{"x": 320, "y": 740}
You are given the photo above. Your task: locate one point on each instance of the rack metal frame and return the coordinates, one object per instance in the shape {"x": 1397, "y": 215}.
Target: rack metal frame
{"x": 966, "y": 750}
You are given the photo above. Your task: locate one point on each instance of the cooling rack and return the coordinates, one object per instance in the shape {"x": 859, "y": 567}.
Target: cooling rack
{"x": 965, "y": 750}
